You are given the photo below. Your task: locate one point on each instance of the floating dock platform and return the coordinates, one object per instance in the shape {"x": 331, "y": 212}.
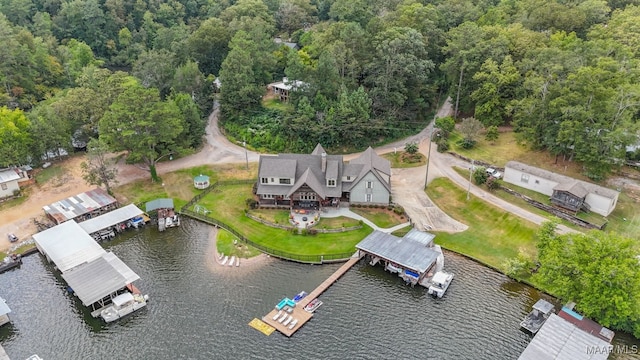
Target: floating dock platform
{"x": 298, "y": 313}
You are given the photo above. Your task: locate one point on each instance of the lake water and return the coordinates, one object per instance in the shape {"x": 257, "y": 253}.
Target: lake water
{"x": 197, "y": 312}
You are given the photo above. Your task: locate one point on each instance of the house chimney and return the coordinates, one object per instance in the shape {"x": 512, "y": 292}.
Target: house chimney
{"x": 324, "y": 162}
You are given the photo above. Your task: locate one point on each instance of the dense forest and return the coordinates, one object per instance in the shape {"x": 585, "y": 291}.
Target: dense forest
{"x": 564, "y": 74}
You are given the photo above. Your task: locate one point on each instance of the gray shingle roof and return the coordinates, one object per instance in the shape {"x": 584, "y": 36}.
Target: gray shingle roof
{"x": 371, "y": 163}
{"x": 371, "y": 160}
{"x": 274, "y": 166}
{"x": 310, "y": 179}
{"x": 561, "y": 179}
{"x": 332, "y": 169}
{"x": 558, "y": 339}
{"x": 573, "y": 188}
{"x": 406, "y": 251}
{"x": 294, "y": 166}
{"x": 318, "y": 150}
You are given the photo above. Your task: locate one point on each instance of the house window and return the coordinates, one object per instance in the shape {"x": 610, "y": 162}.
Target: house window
{"x": 285, "y": 181}
{"x": 4, "y": 186}
{"x": 272, "y": 181}
{"x": 368, "y": 198}
{"x": 369, "y": 185}
{"x": 524, "y": 178}
{"x": 537, "y": 181}
{"x": 331, "y": 182}
{"x": 348, "y": 178}
{"x": 267, "y": 196}
{"x": 264, "y": 180}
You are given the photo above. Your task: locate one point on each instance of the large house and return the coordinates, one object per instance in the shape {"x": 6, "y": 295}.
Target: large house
{"x": 317, "y": 179}
{"x": 564, "y": 191}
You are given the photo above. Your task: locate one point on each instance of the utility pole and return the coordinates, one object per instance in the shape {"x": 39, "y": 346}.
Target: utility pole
{"x": 433, "y": 127}
{"x": 246, "y": 154}
{"x": 471, "y": 170}
{"x": 426, "y": 176}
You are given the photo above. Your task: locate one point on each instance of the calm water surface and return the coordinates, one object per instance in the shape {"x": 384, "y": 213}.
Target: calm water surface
{"x": 197, "y": 313}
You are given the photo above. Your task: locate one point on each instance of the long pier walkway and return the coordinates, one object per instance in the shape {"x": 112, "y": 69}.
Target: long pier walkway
{"x": 330, "y": 280}
{"x": 298, "y": 313}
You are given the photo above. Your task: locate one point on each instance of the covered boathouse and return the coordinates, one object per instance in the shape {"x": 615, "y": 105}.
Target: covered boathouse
{"x": 81, "y": 207}
{"x": 95, "y": 275}
{"x": 569, "y": 336}
{"x": 413, "y": 257}
{"x": 107, "y": 225}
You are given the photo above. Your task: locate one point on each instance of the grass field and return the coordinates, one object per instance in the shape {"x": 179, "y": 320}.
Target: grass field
{"x": 402, "y": 159}
{"x": 227, "y": 204}
{"x": 179, "y": 184}
{"x": 508, "y": 148}
{"x": 225, "y": 245}
{"x": 337, "y": 222}
{"x": 493, "y": 235}
{"x": 381, "y": 217}
{"x": 624, "y": 220}
{"x": 44, "y": 175}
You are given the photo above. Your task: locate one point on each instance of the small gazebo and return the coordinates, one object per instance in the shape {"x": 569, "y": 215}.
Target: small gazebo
{"x": 201, "y": 181}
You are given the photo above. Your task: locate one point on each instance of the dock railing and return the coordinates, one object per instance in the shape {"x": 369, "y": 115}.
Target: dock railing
{"x": 308, "y": 259}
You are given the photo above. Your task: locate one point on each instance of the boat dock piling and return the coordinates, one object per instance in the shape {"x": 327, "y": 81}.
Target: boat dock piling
{"x": 298, "y": 313}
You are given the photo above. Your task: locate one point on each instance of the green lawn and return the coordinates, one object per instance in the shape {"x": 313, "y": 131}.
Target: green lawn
{"x": 276, "y": 216}
{"x": 507, "y": 148}
{"x": 44, "y": 175}
{"x": 336, "y": 223}
{"x": 625, "y": 219}
{"x": 275, "y": 104}
{"x": 504, "y": 149}
{"x": 16, "y": 201}
{"x": 381, "y": 217}
{"x": 227, "y": 204}
{"x": 225, "y": 245}
{"x": 493, "y": 236}
{"x": 402, "y": 159}
{"x": 402, "y": 232}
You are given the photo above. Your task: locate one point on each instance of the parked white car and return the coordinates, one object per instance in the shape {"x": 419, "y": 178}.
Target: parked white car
{"x": 493, "y": 172}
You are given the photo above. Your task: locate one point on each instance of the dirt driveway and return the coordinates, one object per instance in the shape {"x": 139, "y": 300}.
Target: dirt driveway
{"x": 19, "y": 219}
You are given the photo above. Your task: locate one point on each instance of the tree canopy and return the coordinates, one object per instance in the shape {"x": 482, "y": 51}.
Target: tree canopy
{"x": 600, "y": 271}
{"x": 562, "y": 74}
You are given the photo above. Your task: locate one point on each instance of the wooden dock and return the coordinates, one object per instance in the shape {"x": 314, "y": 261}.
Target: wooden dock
{"x": 298, "y": 312}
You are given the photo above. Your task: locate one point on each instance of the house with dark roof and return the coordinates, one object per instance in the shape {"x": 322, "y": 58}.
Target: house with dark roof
{"x": 564, "y": 191}
{"x": 317, "y": 179}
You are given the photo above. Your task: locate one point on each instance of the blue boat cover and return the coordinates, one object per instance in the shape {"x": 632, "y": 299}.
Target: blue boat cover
{"x": 411, "y": 273}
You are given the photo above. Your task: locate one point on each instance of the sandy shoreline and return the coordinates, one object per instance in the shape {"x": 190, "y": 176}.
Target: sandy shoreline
{"x": 214, "y": 263}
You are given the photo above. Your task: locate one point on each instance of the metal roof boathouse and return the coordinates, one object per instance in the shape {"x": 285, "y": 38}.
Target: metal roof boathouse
{"x": 569, "y": 336}
{"x": 95, "y": 275}
{"x": 67, "y": 245}
{"x": 94, "y": 281}
{"x": 81, "y": 207}
{"x": 413, "y": 256}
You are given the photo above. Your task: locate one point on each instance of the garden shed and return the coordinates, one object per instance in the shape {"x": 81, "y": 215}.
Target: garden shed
{"x": 201, "y": 181}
